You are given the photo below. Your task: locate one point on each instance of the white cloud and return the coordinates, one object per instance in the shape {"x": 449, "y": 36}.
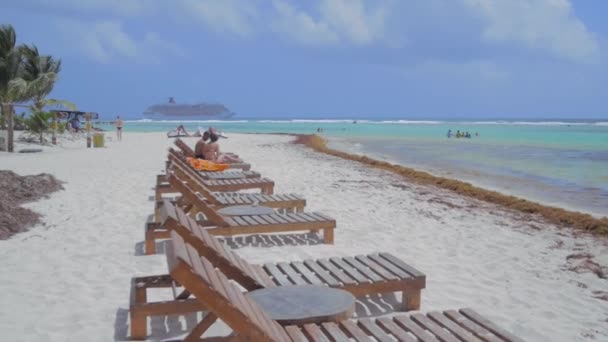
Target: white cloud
{"x": 233, "y": 16}
{"x": 301, "y": 26}
{"x": 338, "y": 21}
{"x": 118, "y": 7}
{"x": 106, "y": 41}
{"x": 550, "y": 25}
{"x": 474, "y": 71}
{"x": 353, "y": 20}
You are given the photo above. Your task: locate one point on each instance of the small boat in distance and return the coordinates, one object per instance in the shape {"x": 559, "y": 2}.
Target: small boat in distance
{"x": 174, "y": 111}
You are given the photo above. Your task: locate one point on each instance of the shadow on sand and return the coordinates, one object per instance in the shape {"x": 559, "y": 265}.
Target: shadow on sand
{"x": 165, "y": 327}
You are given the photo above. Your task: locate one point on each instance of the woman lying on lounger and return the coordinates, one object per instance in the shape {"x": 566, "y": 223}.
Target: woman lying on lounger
{"x": 211, "y": 151}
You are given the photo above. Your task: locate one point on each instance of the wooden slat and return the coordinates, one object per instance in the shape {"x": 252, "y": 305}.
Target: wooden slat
{"x": 306, "y": 273}
{"x": 406, "y": 323}
{"x": 354, "y": 331}
{"x": 336, "y": 272}
{"x": 389, "y": 266}
{"x": 433, "y": 327}
{"x": 209, "y": 277}
{"x": 364, "y": 259}
{"x": 474, "y": 316}
{"x": 239, "y": 301}
{"x": 401, "y": 264}
{"x": 318, "y": 217}
{"x": 369, "y": 326}
{"x": 314, "y": 333}
{"x": 260, "y": 220}
{"x": 249, "y": 220}
{"x": 277, "y": 275}
{"x": 270, "y": 219}
{"x": 298, "y": 217}
{"x": 453, "y": 327}
{"x": 261, "y": 274}
{"x": 392, "y": 328}
{"x": 370, "y": 274}
{"x": 229, "y": 221}
{"x": 473, "y": 327}
{"x": 353, "y": 273}
{"x": 327, "y": 218}
{"x": 306, "y": 217}
{"x": 295, "y": 334}
{"x": 321, "y": 273}
{"x": 334, "y": 331}
{"x": 281, "y": 218}
{"x": 291, "y": 273}
{"x": 239, "y": 221}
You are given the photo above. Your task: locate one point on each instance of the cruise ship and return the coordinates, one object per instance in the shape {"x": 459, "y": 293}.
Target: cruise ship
{"x": 198, "y": 111}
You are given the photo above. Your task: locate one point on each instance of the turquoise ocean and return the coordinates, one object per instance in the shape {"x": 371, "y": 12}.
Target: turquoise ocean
{"x": 563, "y": 163}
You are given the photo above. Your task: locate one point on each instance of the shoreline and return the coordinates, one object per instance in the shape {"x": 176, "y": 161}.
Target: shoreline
{"x": 554, "y": 215}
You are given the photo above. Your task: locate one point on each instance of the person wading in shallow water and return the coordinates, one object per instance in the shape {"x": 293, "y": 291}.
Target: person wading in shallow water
{"x": 118, "y": 124}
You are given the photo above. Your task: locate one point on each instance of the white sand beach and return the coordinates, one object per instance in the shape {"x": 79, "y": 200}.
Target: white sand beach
{"x": 68, "y": 278}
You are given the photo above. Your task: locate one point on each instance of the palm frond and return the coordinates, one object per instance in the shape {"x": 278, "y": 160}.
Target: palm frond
{"x": 63, "y": 103}
{"x": 17, "y": 91}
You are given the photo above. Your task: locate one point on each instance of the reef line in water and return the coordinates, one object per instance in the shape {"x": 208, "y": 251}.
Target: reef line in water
{"x": 558, "y": 216}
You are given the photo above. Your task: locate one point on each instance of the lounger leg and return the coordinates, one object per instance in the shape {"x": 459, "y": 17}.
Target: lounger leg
{"x": 299, "y": 209}
{"x": 328, "y": 236}
{"x": 199, "y": 330}
{"x": 150, "y": 243}
{"x": 411, "y": 300}
{"x": 139, "y": 321}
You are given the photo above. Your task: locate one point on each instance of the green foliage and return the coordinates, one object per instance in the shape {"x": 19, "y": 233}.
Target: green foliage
{"x": 39, "y": 123}
{"x": 20, "y": 122}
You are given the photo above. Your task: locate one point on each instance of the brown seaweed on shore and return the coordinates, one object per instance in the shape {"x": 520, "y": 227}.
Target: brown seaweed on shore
{"x": 554, "y": 215}
{"x": 16, "y": 190}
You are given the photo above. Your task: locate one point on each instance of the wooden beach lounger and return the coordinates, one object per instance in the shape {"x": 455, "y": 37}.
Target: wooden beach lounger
{"x": 175, "y": 157}
{"x": 265, "y": 185}
{"x": 188, "y": 152}
{"x": 360, "y": 275}
{"x": 249, "y": 322}
{"x": 225, "y": 199}
{"x": 197, "y": 193}
{"x": 237, "y": 225}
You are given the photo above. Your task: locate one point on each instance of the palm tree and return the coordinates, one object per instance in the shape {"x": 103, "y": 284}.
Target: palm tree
{"x": 34, "y": 67}
{"x": 12, "y": 87}
{"x": 17, "y": 85}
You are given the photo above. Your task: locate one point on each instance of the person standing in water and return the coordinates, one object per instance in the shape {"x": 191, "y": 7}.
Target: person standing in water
{"x": 118, "y": 124}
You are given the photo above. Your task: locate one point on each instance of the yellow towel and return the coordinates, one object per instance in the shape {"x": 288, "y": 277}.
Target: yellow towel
{"x": 205, "y": 165}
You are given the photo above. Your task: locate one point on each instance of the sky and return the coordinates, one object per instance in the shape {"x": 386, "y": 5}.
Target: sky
{"x": 327, "y": 58}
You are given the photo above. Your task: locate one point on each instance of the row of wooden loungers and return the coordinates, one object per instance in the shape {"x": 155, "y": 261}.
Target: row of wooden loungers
{"x": 212, "y": 277}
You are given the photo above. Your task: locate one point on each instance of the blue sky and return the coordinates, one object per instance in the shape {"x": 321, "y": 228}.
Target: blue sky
{"x": 327, "y": 58}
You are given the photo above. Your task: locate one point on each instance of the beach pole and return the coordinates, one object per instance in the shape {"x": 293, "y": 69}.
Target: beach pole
{"x": 54, "y": 129}
{"x": 87, "y": 117}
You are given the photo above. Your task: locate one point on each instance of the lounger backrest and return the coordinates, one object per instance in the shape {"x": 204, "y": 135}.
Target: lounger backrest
{"x": 188, "y": 175}
{"x": 196, "y": 199}
{"x": 207, "y": 245}
{"x": 211, "y": 287}
{"x": 184, "y": 147}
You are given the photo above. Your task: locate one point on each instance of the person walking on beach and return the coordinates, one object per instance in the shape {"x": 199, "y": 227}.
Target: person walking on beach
{"x": 118, "y": 124}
